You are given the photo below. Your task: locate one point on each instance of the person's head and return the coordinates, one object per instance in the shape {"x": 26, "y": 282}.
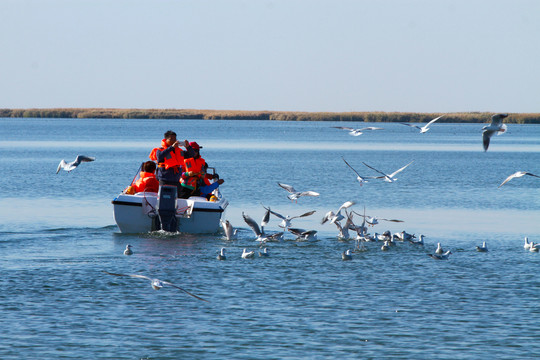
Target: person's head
{"x": 149, "y": 167}
{"x": 170, "y": 137}
{"x": 195, "y": 147}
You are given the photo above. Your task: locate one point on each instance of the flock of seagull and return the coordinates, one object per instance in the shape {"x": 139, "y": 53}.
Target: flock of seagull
{"x": 495, "y": 127}
{"x": 343, "y": 213}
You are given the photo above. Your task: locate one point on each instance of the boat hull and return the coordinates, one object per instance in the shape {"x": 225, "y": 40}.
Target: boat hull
{"x": 196, "y": 215}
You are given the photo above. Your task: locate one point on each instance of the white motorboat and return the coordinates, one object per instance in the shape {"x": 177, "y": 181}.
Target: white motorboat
{"x": 141, "y": 212}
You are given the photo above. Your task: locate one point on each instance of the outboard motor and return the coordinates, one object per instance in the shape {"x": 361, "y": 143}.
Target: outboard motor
{"x": 166, "y": 207}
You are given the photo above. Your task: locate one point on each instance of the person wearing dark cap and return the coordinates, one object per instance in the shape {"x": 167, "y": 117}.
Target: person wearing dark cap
{"x": 170, "y": 159}
{"x": 194, "y": 171}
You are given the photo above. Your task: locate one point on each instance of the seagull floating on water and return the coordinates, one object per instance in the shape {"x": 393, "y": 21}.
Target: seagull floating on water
{"x": 425, "y": 128}
{"x": 72, "y": 165}
{"x": 128, "y": 250}
{"x": 439, "y": 249}
{"x": 294, "y": 195}
{"x": 417, "y": 242}
{"x": 482, "y": 248}
{"x": 404, "y": 236}
{"x": 264, "y": 253}
{"x": 156, "y": 283}
{"x": 534, "y": 247}
{"x": 527, "y": 244}
{"x": 496, "y": 126}
{"x": 384, "y": 236}
{"x": 517, "y": 175}
{"x": 230, "y": 231}
{"x": 346, "y": 255}
{"x": 221, "y": 255}
{"x": 248, "y": 254}
{"x": 388, "y": 177}
{"x": 357, "y": 132}
{"x": 440, "y": 256}
{"x": 385, "y": 246}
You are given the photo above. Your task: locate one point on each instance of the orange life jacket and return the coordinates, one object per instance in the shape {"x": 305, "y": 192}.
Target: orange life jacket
{"x": 146, "y": 182}
{"x": 194, "y": 165}
{"x": 174, "y": 159}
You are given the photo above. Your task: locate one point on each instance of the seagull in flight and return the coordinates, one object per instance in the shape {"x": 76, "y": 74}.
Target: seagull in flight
{"x": 156, "y": 283}
{"x": 425, "y": 128}
{"x": 259, "y": 231}
{"x": 333, "y": 217}
{"x": 303, "y": 235}
{"x": 372, "y": 220}
{"x": 230, "y": 231}
{"x": 388, "y": 177}
{"x": 286, "y": 220}
{"x": 517, "y": 175}
{"x": 294, "y": 195}
{"x": 496, "y": 126}
{"x": 357, "y": 132}
{"x": 72, "y": 165}
{"x": 361, "y": 179}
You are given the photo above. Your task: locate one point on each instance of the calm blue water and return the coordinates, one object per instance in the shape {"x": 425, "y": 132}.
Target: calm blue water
{"x": 57, "y": 234}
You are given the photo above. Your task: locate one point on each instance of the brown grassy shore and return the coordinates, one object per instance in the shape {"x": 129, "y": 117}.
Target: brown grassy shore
{"x": 95, "y": 113}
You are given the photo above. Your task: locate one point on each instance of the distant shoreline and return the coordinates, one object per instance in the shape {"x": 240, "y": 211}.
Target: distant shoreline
{"x": 192, "y": 114}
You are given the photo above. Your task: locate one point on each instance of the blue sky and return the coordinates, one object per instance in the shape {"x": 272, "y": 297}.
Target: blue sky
{"x": 287, "y": 55}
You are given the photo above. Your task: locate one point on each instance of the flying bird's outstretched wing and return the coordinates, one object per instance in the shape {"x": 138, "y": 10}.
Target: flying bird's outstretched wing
{"x": 432, "y": 121}
{"x": 372, "y": 168}
{"x": 252, "y": 224}
{"x": 289, "y": 188}
{"x": 411, "y": 125}
{"x": 83, "y": 158}
{"x": 517, "y": 175}
{"x": 184, "y": 290}
{"x": 399, "y": 170}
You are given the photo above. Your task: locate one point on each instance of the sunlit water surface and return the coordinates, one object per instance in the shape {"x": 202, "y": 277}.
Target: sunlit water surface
{"x": 57, "y": 234}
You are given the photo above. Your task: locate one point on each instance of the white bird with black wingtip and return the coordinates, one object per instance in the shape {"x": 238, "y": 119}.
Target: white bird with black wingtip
{"x": 388, "y": 177}
{"x": 357, "y": 132}
{"x": 294, "y": 195}
{"x": 425, "y": 128}
{"x": 156, "y": 283}
{"x": 496, "y": 127}
{"x": 72, "y": 165}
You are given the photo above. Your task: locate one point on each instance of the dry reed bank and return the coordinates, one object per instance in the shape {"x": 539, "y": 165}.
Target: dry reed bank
{"x": 95, "y": 113}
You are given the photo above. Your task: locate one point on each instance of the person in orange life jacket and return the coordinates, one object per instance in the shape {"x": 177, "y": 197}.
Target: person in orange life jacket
{"x": 170, "y": 159}
{"x": 193, "y": 171}
{"x": 147, "y": 180}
